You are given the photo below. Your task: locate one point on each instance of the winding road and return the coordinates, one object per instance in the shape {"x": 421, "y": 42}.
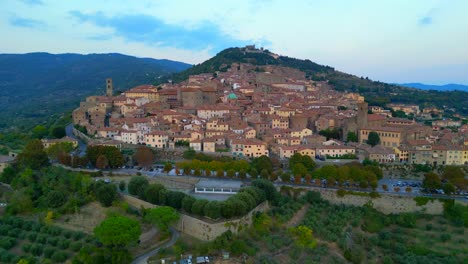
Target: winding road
{"x": 143, "y": 259}
{"x": 81, "y": 150}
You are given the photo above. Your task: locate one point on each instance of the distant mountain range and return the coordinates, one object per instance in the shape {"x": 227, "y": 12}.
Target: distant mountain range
{"x": 35, "y": 86}
{"x": 445, "y": 87}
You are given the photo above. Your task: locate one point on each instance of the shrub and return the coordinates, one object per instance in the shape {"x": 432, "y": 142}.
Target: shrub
{"x": 420, "y": 201}
{"x": 63, "y": 243}
{"x": 41, "y": 238}
{"x": 78, "y": 235}
{"x": 106, "y": 194}
{"x": 49, "y": 251}
{"x": 68, "y": 234}
{"x": 52, "y": 241}
{"x": 76, "y": 246}
{"x": 137, "y": 186}
{"x": 60, "y": 256}
{"x": 445, "y": 237}
{"x": 26, "y": 247}
{"x": 32, "y": 236}
{"x": 7, "y": 242}
{"x": 122, "y": 186}
{"x": 36, "y": 249}
{"x": 341, "y": 193}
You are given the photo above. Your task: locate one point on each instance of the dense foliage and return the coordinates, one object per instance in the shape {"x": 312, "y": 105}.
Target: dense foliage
{"x": 37, "y": 86}
{"x": 110, "y": 154}
{"x": 38, "y": 243}
{"x": 237, "y": 205}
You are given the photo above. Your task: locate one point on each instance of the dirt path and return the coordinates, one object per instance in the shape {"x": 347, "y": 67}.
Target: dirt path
{"x": 297, "y": 218}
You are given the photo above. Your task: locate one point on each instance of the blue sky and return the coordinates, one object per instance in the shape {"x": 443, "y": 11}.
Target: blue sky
{"x": 391, "y": 41}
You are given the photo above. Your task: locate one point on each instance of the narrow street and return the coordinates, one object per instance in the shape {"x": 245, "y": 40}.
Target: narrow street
{"x": 143, "y": 259}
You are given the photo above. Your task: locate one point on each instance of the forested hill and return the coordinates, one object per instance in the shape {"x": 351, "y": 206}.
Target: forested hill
{"x": 35, "y": 86}
{"x": 376, "y": 93}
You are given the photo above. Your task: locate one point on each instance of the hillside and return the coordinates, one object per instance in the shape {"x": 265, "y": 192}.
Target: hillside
{"x": 376, "y": 93}
{"x": 35, "y": 86}
{"x": 445, "y": 87}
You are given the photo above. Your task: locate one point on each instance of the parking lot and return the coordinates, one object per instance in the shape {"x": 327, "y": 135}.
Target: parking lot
{"x": 402, "y": 184}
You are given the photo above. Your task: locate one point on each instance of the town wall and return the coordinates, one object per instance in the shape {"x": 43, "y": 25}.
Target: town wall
{"x": 81, "y": 135}
{"x": 204, "y": 229}
{"x": 386, "y": 203}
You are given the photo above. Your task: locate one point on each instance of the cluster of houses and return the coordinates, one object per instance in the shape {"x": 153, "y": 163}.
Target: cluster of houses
{"x": 249, "y": 111}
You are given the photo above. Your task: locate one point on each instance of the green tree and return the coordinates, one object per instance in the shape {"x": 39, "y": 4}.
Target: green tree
{"x": 213, "y": 209}
{"x": 20, "y": 202}
{"x": 373, "y": 138}
{"x": 187, "y": 203}
{"x": 432, "y": 181}
{"x": 303, "y": 236}
{"x": 167, "y": 167}
{"x": 271, "y": 193}
{"x": 152, "y": 192}
{"x": 162, "y": 217}
{"x": 352, "y": 137}
{"x": 122, "y": 186}
{"x": 189, "y": 154}
{"x": 118, "y": 231}
{"x": 448, "y": 188}
{"x": 106, "y": 194}
{"x": 299, "y": 169}
{"x": 58, "y": 149}
{"x": 137, "y": 186}
{"x": 57, "y": 131}
{"x": 113, "y": 155}
{"x": 39, "y": 132}
{"x": 198, "y": 207}
{"x": 117, "y": 234}
{"x": 8, "y": 174}
{"x": 56, "y": 198}
{"x": 231, "y": 173}
{"x": 305, "y": 160}
{"x": 33, "y": 156}
{"x": 264, "y": 174}
{"x": 261, "y": 163}
{"x": 174, "y": 199}
{"x": 330, "y": 133}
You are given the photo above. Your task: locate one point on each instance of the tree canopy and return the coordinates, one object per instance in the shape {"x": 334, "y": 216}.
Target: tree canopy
{"x": 373, "y": 138}
{"x": 144, "y": 156}
{"x": 118, "y": 231}
{"x": 162, "y": 217}
{"x": 33, "y": 155}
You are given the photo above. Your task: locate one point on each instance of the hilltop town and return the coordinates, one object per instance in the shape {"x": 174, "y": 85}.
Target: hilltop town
{"x": 250, "y": 111}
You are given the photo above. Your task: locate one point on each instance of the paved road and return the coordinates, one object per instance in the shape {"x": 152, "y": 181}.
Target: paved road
{"x": 143, "y": 259}
{"x": 402, "y": 192}
{"x": 81, "y": 150}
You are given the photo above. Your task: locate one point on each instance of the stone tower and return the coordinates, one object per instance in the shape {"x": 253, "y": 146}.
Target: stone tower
{"x": 362, "y": 115}
{"x": 109, "y": 88}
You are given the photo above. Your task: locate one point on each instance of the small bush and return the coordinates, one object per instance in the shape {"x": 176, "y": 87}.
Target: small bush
{"x": 36, "y": 249}
{"x": 76, "y": 246}
{"x": 32, "y": 236}
{"x": 48, "y": 252}
{"x": 52, "y": 241}
{"x": 445, "y": 237}
{"x": 63, "y": 244}
{"x": 7, "y": 242}
{"x": 60, "y": 256}
{"x": 26, "y": 248}
{"x": 341, "y": 193}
